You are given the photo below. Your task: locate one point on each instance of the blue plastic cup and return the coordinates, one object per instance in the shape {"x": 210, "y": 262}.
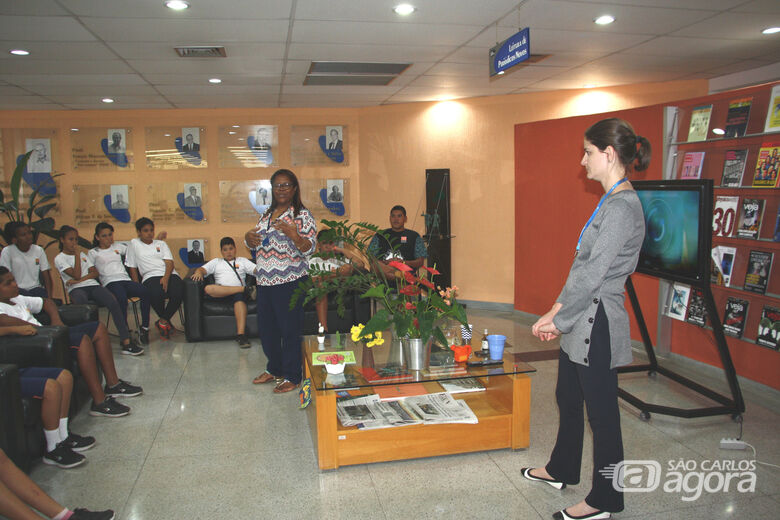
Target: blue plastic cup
{"x": 496, "y": 345}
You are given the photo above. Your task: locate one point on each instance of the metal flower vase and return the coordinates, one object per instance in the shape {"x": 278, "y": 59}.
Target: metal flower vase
{"x": 417, "y": 352}
{"x": 395, "y": 355}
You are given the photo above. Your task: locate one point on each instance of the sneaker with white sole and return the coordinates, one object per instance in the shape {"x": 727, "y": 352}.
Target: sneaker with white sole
{"x": 64, "y": 457}
{"x": 85, "y": 514}
{"x": 109, "y": 408}
{"x": 123, "y": 389}
{"x": 132, "y": 349}
{"x": 78, "y": 442}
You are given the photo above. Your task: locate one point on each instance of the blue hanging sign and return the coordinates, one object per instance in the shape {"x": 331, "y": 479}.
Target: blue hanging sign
{"x": 515, "y": 49}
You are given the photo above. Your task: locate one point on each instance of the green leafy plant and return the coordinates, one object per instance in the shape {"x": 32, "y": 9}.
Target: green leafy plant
{"x": 38, "y": 207}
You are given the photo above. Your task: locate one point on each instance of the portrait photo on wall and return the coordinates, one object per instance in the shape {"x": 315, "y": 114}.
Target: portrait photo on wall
{"x": 116, "y": 140}
{"x": 263, "y": 138}
{"x": 195, "y": 249}
{"x": 190, "y": 139}
{"x": 40, "y": 158}
{"x": 119, "y": 197}
{"x": 192, "y": 195}
{"x": 335, "y": 190}
{"x": 334, "y": 135}
{"x": 260, "y": 197}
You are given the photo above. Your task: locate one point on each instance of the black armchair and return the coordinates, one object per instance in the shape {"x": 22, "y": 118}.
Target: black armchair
{"x": 12, "y": 435}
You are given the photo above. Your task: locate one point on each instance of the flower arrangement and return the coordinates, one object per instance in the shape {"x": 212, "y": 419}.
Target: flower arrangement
{"x": 413, "y": 306}
{"x": 332, "y": 359}
{"x": 369, "y": 340}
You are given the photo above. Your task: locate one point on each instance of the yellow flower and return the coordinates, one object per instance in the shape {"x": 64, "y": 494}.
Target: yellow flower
{"x": 356, "y": 330}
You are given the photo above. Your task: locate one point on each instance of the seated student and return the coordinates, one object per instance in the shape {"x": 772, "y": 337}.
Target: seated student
{"x": 341, "y": 263}
{"x": 86, "y": 339}
{"x": 19, "y": 496}
{"x": 107, "y": 257}
{"x": 26, "y": 260}
{"x": 230, "y": 283}
{"x": 151, "y": 262}
{"x": 407, "y": 242}
{"x": 80, "y": 282}
{"x": 53, "y": 386}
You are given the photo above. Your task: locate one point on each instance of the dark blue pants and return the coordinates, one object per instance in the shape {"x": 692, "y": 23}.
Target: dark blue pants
{"x": 38, "y": 292}
{"x": 157, "y": 295}
{"x": 280, "y": 328}
{"x": 126, "y": 288}
{"x": 104, "y": 298}
{"x": 596, "y": 385}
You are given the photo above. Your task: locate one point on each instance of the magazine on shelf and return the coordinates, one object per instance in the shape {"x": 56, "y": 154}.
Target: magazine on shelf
{"x": 724, "y": 215}
{"x": 758, "y": 269}
{"x": 750, "y": 218}
{"x": 734, "y": 317}
{"x": 734, "y": 168}
{"x": 769, "y": 328}
{"x": 369, "y": 412}
{"x": 767, "y": 164}
{"x": 737, "y": 117}
{"x": 773, "y": 112}
{"x": 697, "y": 309}
{"x": 678, "y": 301}
{"x": 395, "y": 392}
{"x": 776, "y": 236}
{"x": 692, "y": 164}
{"x": 441, "y": 408}
{"x": 723, "y": 259}
{"x": 700, "y": 123}
{"x": 388, "y": 374}
{"x": 462, "y": 385}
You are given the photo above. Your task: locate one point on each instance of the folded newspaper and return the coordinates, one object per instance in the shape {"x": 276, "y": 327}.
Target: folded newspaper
{"x": 368, "y": 412}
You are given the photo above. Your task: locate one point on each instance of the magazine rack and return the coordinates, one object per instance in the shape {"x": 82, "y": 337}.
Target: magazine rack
{"x": 733, "y": 406}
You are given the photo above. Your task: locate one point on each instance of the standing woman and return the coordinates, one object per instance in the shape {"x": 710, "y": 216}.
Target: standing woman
{"x": 283, "y": 241}
{"x": 593, "y": 324}
{"x": 108, "y": 258}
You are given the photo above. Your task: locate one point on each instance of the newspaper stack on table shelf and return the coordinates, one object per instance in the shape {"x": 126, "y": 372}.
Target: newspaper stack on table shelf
{"x": 368, "y": 412}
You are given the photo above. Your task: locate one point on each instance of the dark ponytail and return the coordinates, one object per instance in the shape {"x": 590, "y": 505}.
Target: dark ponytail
{"x": 633, "y": 150}
{"x": 100, "y": 227}
{"x": 64, "y": 230}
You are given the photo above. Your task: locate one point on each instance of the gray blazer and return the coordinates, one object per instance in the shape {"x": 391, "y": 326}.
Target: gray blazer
{"x": 608, "y": 254}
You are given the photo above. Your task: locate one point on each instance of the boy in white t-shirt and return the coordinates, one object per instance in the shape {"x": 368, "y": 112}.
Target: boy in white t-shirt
{"x": 151, "y": 263}
{"x": 27, "y": 261}
{"x": 230, "y": 283}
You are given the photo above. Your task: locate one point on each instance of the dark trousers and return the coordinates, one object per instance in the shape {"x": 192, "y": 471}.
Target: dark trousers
{"x": 38, "y": 292}
{"x": 104, "y": 298}
{"x": 596, "y": 386}
{"x": 124, "y": 289}
{"x": 157, "y": 296}
{"x": 279, "y": 328}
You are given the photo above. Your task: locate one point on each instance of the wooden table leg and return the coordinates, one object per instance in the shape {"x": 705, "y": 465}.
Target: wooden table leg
{"x": 521, "y": 411}
{"x": 327, "y": 422}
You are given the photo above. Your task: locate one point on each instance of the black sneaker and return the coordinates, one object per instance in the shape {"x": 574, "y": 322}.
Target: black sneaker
{"x": 131, "y": 349}
{"x": 78, "y": 442}
{"x": 64, "y": 457}
{"x": 84, "y": 514}
{"x": 109, "y": 408}
{"x": 242, "y": 341}
{"x": 143, "y": 336}
{"x": 123, "y": 389}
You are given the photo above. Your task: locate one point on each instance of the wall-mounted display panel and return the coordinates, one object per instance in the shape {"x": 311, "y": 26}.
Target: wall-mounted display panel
{"x": 102, "y": 149}
{"x": 96, "y": 203}
{"x": 318, "y": 145}
{"x": 177, "y": 202}
{"x": 248, "y": 146}
{"x": 175, "y": 148}
{"x": 244, "y": 201}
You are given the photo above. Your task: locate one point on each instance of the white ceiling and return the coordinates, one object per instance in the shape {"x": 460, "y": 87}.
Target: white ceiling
{"x": 84, "y": 50}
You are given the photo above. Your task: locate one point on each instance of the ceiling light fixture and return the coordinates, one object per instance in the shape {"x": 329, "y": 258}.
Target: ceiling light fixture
{"x": 74, "y": 129}
{"x": 107, "y": 100}
{"x": 500, "y": 72}
{"x": 768, "y": 30}
{"x": 236, "y": 126}
{"x": 19, "y": 52}
{"x": 177, "y": 5}
{"x": 605, "y": 19}
{"x": 404, "y": 9}
{"x": 588, "y": 85}
{"x": 718, "y": 131}
{"x": 215, "y": 81}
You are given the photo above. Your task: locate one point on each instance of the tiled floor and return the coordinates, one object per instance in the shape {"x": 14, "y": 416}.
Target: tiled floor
{"x": 203, "y": 442}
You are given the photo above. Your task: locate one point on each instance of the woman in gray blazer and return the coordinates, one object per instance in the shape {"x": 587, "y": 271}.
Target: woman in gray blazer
{"x": 592, "y": 322}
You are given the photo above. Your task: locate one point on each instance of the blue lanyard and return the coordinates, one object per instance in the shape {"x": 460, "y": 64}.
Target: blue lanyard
{"x": 593, "y": 215}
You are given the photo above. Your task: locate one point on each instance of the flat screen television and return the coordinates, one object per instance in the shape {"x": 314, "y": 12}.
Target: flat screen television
{"x": 678, "y": 229}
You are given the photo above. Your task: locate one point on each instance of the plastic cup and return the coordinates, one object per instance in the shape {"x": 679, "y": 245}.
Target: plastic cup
{"x": 496, "y": 345}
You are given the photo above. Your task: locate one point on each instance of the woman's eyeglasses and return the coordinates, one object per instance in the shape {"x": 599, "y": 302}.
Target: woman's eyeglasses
{"x": 283, "y": 186}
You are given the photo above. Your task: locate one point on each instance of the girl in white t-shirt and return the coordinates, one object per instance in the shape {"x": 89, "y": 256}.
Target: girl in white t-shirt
{"x": 108, "y": 258}
{"x": 230, "y": 283}
{"x": 80, "y": 279}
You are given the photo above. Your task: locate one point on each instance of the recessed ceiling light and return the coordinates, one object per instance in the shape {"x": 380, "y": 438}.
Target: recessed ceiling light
{"x": 232, "y": 133}
{"x": 236, "y": 126}
{"x": 404, "y": 9}
{"x": 718, "y": 131}
{"x": 177, "y": 5}
{"x": 215, "y": 81}
{"x": 604, "y": 19}
{"x": 588, "y": 85}
{"x": 769, "y": 30}
{"x": 107, "y": 100}
{"x": 74, "y": 129}
{"x": 500, "y": 72}
{"x": 19, "y": 52}
{"x": 166, "y": 135}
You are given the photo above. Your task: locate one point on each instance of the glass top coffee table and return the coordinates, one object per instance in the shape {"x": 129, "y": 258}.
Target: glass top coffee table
{"x": 502, "y": 409}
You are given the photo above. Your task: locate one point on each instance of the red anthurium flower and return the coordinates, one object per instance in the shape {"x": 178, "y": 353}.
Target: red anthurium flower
{"x": 410, "y": 290}
{"x": 426, "y": 283}
{"x": 410, "y": 306}
{"x": 410, "y": 277}
{"x": 400, "y": 266}
{"x": 416, "y": 323}
{"x": 431, "y": 270}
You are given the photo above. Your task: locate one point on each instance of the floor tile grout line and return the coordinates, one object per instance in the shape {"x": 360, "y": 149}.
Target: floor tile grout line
{"x": 376, "y": 493}
{"x": 159, "y": 426}
{"x": 512, "y": 483}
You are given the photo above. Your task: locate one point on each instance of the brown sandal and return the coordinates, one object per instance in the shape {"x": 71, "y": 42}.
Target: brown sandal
{"x": 285, "y": 386}
{"x": 265, "y": 377}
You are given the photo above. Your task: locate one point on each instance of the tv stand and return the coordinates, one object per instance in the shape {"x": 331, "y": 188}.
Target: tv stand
{"x": 734, "y": 406}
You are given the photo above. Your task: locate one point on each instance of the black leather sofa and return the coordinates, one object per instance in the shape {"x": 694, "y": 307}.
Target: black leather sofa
{"x": 12, "y": 435}
{"x": 208, "y": 319}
